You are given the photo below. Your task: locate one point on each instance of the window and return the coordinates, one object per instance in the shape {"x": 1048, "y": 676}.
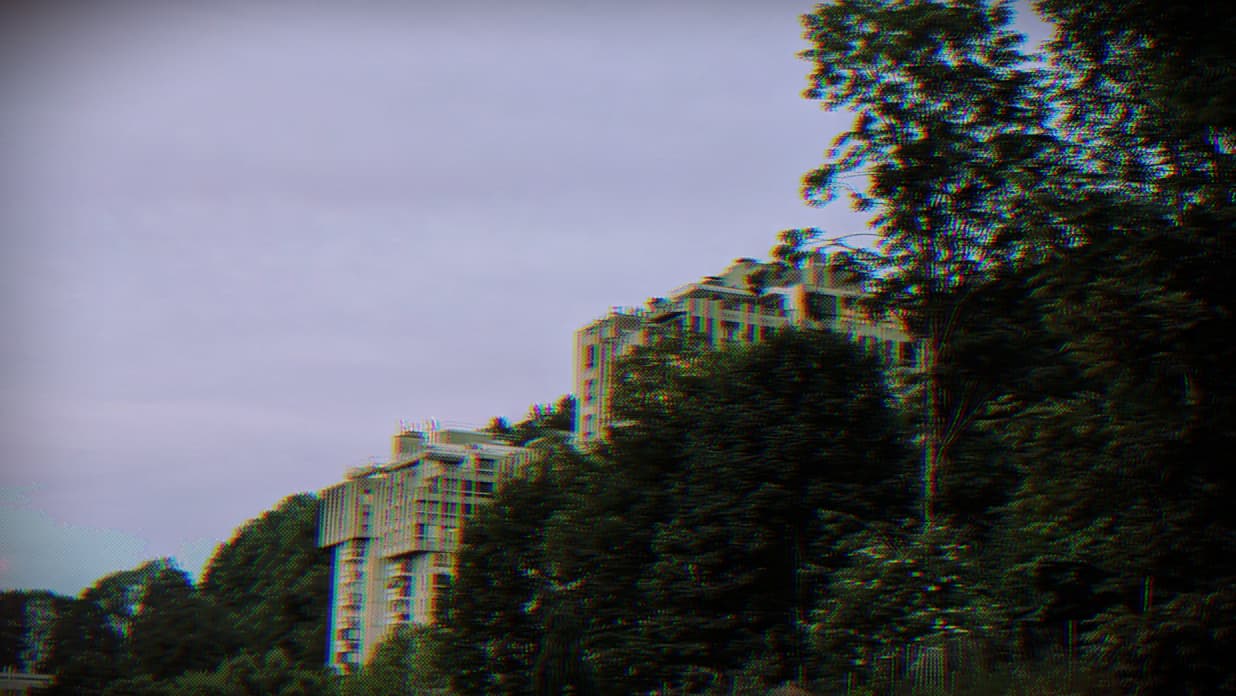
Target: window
{"x": 485, "y": 466}
{"x": 590, "y": 357}
{"x": 696, "y": 324}
{"x": 484, "y": 487}
{"x": 751, "y": 333}
{"x": 589, "y": 391}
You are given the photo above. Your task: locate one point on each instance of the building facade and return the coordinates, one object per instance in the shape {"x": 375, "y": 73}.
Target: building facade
{"x": 745, "y": 303}
{"x": 393, "y": 531}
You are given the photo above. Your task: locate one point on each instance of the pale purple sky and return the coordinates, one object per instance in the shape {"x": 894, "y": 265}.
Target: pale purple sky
{"x": 244, "y": 240}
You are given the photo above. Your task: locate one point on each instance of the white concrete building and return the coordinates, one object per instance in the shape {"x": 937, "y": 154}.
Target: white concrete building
{"x": 393, "y": 531}
{"x": 727, "y": 308}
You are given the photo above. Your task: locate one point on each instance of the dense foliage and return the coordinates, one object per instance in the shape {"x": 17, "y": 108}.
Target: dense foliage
{"x": 256, "y": 624}
{"x": 695, "y": 543}
{"x": 272, "y": 579}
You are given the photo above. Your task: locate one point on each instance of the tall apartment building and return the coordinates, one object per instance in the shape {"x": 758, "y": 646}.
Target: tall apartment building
{"x": 723, "y": 309}
{"x": 393, "y": 531}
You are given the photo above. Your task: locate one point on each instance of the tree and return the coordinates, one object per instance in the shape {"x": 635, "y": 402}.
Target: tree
{"x": 273, "y": 580}
{"x": 491, "y": 621}
{"x": 951, "y": 132}
{"x": 273, "y": 673}
{"x": 1126, "y": 481}
{"x": 561, "y": 667}
{"x": 87, "y": 653}
{"x": 775, "y": 435}
{"x": 40, "y": 619}
{"x": 406, "y": 663}
{"x": 13, "y": 629}
{"x": 900, "y": 589}
{"x": 176, "y": 630}
{"x": 119, "y": 594}
{"x": 602, "y": 541}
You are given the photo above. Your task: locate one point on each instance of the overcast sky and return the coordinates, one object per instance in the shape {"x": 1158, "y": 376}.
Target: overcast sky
{"x": 242, "y": 242}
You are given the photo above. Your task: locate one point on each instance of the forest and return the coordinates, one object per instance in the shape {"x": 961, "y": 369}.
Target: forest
{"x": 1042, "y": 504}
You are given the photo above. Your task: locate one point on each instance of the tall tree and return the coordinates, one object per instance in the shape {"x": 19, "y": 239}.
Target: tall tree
{"x": 775, "y": 435}
{"x": 275, "y": 582}
{"x": 1126, "y": 474}
{"x": 951, "y": 133}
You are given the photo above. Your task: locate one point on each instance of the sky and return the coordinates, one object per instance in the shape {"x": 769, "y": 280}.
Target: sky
{"x": 243, "y": 242}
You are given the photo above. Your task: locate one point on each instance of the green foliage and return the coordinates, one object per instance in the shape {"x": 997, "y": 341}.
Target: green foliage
{"x": 492, "y": 624}
{"x": 951, "y": 134}
{"x": 143, "y": 685}
{"x": 272, "y": 579}
{"x": 13, "y": 629}
{"x": 683, "y": 550}
{"x": 1096, "y": 466}
{"x": 561, "y": 667}
{"x": 902, "y": 588}
{"x": 274, "y": 673}
{"x": 177, "y": 630}
{"x": 1179, "y": 646}
{"x": 119, "y": 594}
{"x": 270, "y": 675}
{"x": 87, "y": 653}
{"x": 40, "y": 618}
{"x": 263, "y": 603}
{"x": 775, "y": 434}
{"x": 543, "y": 420}
{"x": 1126, "y": 471}
{"x": 407, "y": 663}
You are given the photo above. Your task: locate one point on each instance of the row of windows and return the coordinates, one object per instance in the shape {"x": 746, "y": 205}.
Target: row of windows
{"x": 445, "y": 510}
{"x": 469, "y": 487}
